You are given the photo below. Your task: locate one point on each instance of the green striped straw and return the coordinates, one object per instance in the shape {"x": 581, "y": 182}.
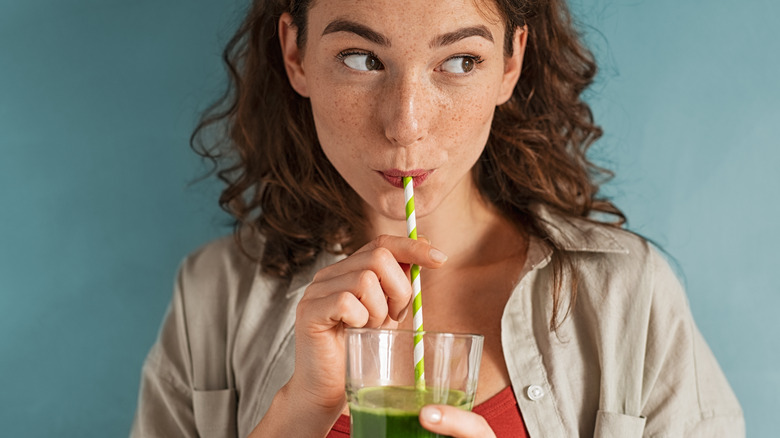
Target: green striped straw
{"x": 417, "y": 316}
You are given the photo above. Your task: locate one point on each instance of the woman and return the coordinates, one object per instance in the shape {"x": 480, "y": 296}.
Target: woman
{"x": 586, "y": 328}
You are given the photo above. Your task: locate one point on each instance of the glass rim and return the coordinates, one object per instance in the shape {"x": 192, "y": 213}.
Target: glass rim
{"x": 412, "y": 332}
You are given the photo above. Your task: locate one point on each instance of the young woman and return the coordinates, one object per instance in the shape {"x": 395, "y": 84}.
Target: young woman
{"x": 587, "y": 331}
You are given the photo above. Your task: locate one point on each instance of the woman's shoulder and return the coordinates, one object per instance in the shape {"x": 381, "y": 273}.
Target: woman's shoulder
{"x": 638, "y": 316}
{"x": 230, "y": 266}
{"x": 223, "y": 254}
{"x": 619, "y": 272}
{"x": 223, "y": 270}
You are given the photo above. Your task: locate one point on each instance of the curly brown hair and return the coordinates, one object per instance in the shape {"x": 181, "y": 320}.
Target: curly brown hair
{"x": 280, "y": 184}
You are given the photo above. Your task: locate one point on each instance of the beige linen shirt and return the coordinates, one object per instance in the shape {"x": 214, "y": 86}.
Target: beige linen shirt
{"x": 627, "y": 362}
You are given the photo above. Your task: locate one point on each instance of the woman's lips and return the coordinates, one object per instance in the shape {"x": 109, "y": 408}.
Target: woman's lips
{"x": 395, "y": 176}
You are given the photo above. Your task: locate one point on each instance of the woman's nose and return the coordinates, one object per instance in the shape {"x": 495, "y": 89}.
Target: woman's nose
{"x": 406, "y": 111}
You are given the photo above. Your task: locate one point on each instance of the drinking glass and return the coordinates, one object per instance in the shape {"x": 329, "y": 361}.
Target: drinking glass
{"x": 383, "y": 395}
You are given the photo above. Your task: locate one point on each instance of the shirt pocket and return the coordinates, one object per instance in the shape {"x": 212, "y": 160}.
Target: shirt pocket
{"x": 614, "y": 425}
{"x": 215, "y": 413}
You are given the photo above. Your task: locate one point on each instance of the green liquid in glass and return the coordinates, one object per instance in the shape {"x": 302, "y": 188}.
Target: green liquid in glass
{"x": 393, "y": 411}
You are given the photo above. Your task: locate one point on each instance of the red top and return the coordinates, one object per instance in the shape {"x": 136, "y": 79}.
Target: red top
{"x": 500, "y": 411}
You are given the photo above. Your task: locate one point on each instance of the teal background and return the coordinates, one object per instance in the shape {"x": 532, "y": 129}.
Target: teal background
{"x": 97, "y": 101}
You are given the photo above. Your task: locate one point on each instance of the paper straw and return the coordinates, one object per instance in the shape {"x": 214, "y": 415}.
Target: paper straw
{"x": 417, "y": 316}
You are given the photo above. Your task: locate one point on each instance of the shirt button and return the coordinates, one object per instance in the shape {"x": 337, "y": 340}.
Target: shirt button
{"x": 535, "y": 392}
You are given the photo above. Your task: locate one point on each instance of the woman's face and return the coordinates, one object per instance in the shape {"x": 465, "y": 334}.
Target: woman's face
{"x": 403, "y": 87}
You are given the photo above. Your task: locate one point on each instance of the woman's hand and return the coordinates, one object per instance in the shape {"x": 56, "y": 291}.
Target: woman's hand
{"x": 454, "y": 422}
{"x": 370, "y": 288}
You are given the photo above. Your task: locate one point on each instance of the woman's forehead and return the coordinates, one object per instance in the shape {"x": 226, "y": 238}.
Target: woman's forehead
{"x": 404, "y": 16}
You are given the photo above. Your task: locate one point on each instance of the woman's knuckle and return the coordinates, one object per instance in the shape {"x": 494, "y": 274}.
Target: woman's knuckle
{"x": 301, "y": 309}
{"x": 344, "y": 301}
{"x": 312, "y": 291}
{"x": 380, "y": 256}
{"x": 367, "y": 280}
{"x": 382, "y": 240}
{"x": 318, "y": 276}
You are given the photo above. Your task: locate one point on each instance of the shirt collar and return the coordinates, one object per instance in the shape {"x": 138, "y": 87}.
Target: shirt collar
{"x": 579, "y": 234}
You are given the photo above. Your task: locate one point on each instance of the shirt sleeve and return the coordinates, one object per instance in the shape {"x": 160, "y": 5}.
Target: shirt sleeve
{"x": 686, "y": 394}
{"x": 165, "y": 406}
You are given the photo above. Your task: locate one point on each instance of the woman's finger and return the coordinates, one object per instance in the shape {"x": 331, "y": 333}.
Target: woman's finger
{"x": 407, "y": 250}
{"x": 390, "y": 276}
{"x": 323, "y": 313}
{"x": 365, "y": 285}
{"x": 401, "y": 250}
{"x": 455, "y": 422}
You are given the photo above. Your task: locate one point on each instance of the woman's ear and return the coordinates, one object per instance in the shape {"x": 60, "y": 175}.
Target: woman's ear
{"x": 513, "y": 65}
{"x": 292, "y": 55}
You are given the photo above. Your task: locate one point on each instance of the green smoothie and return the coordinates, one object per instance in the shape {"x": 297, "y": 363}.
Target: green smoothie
{"x": 392, "y": 411}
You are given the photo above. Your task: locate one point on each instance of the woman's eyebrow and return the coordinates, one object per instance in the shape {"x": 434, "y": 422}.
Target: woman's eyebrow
{"x": 462, "y": 33}
{"x": 358, "y": 29}
{"x": 343, "y": 25}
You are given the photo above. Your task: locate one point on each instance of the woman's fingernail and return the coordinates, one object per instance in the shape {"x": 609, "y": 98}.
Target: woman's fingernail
{"x": 431, "y": 414}
{"x": 437, "y": 256}
{"x": 421, "y": 237}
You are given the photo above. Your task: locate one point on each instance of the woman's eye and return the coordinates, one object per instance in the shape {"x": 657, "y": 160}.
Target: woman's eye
{"x": 361, "y": 61}
{"x": 460, "y": 64}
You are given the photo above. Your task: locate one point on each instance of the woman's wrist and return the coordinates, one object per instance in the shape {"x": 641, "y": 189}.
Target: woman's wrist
{"x": 291, "y": 414}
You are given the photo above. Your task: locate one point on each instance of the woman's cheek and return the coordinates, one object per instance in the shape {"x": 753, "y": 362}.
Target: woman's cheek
{"x": 471, "y": 116}
{"x": 334, "y": 114}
